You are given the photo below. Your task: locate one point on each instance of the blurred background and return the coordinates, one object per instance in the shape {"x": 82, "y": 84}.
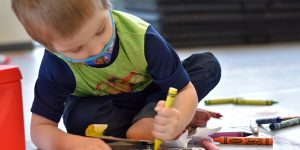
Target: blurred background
{"x": 190, "y": 23}
{"x": 210, "y": 22}
{"x": 256, "y": 41}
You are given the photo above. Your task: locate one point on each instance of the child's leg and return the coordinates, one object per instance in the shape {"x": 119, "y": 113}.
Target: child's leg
{"x": 204, "y": 71}
{"x": 143, "y": 124}
{"x": 141, "y": 130}
{"x": 81, "y": 112}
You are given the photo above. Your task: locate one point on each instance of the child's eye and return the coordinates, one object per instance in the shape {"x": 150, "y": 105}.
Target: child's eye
{"x": 99, "y": 33}
{"x": 77, "y": 50}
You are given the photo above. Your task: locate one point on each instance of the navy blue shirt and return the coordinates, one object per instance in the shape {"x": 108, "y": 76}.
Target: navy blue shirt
{"x": 56, "y": 80}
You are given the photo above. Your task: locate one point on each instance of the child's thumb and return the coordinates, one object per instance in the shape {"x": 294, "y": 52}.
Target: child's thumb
{"x": 159, "y": 105}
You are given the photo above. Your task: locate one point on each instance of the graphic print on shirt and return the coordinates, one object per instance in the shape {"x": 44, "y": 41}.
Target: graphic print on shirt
{"x": 105, "y": 59}
{"x": 117, "y": 86}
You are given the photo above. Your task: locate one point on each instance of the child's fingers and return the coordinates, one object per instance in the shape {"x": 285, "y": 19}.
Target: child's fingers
{"x": 166, "y": 112}
{"x": 162, "y": 136}
{"x": 215, "y": 114}
{"x": 163, "y": 117}
{"x": 162, "y": 132}
{"x": 200, "y": 119}
{"x": 212, "y": 113}
{"x": 160, "y": 127}
{"x": 159, "y": 105}
{"x": 202, "y": 115}
{"x": 166, "y": 122}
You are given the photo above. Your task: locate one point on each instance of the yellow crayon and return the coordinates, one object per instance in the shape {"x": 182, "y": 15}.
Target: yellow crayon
{"x": 95, "y": 130}
{"x": 169, "y": 102}
{"x": 239, "y": 101}
{"x": 219, "y": 101}
{"x": 253, "y": 102}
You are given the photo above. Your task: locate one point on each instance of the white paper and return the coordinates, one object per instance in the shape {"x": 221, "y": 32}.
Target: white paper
{"x": 203, "y": 133}
{"x": 184, "y": 139}
{"x": 181, "y": 142}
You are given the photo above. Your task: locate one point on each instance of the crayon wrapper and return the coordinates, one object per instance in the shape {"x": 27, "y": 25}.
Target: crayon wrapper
{"x": 245, "y": 140}
{"x": 284, "y": 124}
{"x": 252, "y": 102}
{"x": 219, "y": 101}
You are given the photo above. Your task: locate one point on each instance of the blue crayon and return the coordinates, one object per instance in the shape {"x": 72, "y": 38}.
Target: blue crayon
{"x": 284, "y": 124}
{"x": 269, "y": 120}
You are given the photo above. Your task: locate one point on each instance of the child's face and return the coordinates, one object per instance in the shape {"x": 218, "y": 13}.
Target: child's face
{"x": 89, "y": 40}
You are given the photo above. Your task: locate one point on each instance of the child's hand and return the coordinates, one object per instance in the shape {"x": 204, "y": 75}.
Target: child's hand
{"x": 46, "y": 135}
{"x": 167, "y": 122}
{"x": 200, "y": 118}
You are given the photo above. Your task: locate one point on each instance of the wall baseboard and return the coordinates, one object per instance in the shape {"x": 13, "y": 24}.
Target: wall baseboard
{"x": 17, "y": 46}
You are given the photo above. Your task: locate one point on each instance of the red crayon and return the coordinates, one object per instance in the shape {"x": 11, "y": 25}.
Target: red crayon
{"x": 231, "y": 134}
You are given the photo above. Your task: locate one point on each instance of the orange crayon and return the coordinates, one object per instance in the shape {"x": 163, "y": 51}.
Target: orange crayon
{"x": 244, "y": 140}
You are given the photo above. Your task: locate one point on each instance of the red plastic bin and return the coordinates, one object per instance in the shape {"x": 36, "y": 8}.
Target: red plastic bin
{"x": 11, "y": 109}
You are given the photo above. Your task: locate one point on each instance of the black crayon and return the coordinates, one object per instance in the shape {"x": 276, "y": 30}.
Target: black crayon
{"x": 269, "y": 120}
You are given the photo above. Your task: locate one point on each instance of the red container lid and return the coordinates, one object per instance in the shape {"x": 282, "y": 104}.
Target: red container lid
{"x": 9, "y": 73}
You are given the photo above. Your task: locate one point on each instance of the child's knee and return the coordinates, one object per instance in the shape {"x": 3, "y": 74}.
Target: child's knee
{"x": 203, "y": 62}
{"x": 131, "y": 133}
{"x": 141, "y": 130}
{"x": 215, "y": 68}
{"x": 204, "y": 71}
{"x": 208, "y": 61}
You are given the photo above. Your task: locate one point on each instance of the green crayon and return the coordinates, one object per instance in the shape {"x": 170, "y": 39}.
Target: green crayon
{"x": 253, "y": 102}
{"x": 219, "y": 101}
{"x": 284, "y": 124}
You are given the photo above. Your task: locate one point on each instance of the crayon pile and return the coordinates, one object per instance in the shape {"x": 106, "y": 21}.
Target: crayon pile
{"x": 239, "y": 101}
{"x": 242, "y": 138}
{"x": 279, "y": 122}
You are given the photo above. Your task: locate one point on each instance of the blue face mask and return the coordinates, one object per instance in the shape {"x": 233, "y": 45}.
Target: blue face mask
{"x": 93, "y": 59}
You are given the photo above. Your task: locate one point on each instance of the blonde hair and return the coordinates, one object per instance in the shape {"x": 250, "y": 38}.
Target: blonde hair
{"x": 41, "y": 17}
